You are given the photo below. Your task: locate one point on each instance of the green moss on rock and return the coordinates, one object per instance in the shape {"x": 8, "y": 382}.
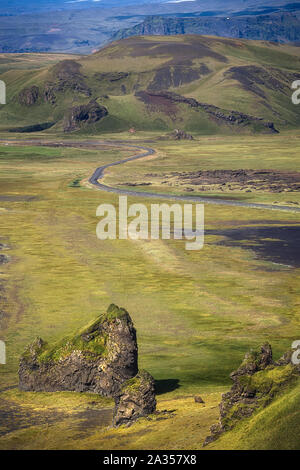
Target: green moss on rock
{"x": 90, "y": 340}
{"x": 136, "y": 399}
{"x": 256, "y": 383}
{"x": 137, "y": 382}
{"x": 98, "y": 358}
{"x": 113, "y": 312}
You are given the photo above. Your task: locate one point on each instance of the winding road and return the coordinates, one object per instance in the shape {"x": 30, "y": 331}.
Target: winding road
{"x": 99, "y": 173}
{"x": 147, "y": 151}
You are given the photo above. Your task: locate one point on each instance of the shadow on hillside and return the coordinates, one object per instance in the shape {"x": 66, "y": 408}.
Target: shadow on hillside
{"x": 166, "y": 385}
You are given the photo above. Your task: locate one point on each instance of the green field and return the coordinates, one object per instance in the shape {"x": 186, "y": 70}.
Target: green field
{"x": 196, "y": 312}
{"x": 279, "y": 152}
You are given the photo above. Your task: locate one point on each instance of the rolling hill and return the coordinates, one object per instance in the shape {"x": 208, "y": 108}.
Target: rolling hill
{"x": 201, "y": 84}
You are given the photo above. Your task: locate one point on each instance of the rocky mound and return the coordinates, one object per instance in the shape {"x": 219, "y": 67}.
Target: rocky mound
{"x": 98, "y": 359}
{"x": 136, "y": 399}
{"x": 29, "y": 96}
{"x": 178, "y": 134}
{"x": 84, "y": 114}
{"x": 255, "y": 384}
{"x": 102, "y": 358}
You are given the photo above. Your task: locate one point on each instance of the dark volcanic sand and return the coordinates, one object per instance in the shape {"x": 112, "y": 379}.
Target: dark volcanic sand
{"x": 279, "y": 245}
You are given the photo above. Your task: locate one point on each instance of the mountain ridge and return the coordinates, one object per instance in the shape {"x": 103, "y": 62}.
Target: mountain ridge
{"x": 281, "y": 27}
{"x": 82, "y": 27}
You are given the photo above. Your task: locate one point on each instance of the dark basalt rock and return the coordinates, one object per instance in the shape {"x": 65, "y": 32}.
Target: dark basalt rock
{"x": 98, "y": 359}
{"x": 111, "y": 76}
{"x": 102, "y": 358}
{"x": 255, "y": 384}
{"x": 199, "y": 399}
{"x": 178, "y": 134}
{"x": 278, "y": 27}
{"x": 218, "y": 115}
{"x": 135, "y": 400}
{"x": 29, "y": 96}
{"x": 49, "y": 93}
{"x": 84, "y": 114}
{"x": 4, "y": 259}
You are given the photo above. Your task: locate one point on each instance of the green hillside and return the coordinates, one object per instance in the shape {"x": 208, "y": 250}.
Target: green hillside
{"x": 247, "y": 82}
{"x": 275, "y": 427}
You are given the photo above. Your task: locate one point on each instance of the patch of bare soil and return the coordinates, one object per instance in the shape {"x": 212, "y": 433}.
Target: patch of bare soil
{"x": 251, "y": 78}
{"x": 158, "y": 103}
{"x": 174, "y": 52}
{"x": 166, "y": 101}
{"x": 14, "y": 417}
{"x": 168, "y": 76}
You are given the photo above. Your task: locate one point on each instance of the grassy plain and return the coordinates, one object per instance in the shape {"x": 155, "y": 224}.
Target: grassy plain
{"x": 196, "y": 313}
{"x": 279, "y": 152}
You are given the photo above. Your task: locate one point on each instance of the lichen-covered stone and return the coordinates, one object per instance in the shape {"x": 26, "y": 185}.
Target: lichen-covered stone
{"x": 135, "y": 400}
{"x": 98, "y": 359}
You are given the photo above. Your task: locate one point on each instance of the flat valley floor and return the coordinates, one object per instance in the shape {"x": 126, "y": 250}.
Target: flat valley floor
{"x": 196, "y": 312}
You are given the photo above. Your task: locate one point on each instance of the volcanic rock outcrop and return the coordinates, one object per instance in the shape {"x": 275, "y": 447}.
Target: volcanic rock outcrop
{"x": 102, "y": 358}
{"x": 84, "y": 114}
{"x": 165, "y": 100}
{"x": 178, "y": 134}
{"x": 255, "y": 384}
{"x": 29, "y": 96}
{"x": 65, "y": 77}
{"x": 135, "y": 399}
{"x": 98, "y": 359}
